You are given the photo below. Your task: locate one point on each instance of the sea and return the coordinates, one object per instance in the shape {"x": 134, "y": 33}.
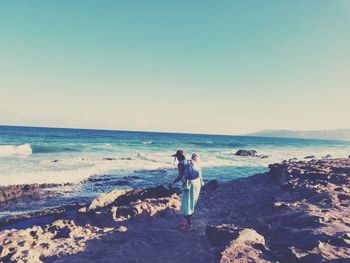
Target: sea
{"x": 96, "y": 161}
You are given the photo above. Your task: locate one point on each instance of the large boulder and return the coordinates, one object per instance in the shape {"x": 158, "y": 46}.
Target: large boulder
{"x": 251, "y": 153}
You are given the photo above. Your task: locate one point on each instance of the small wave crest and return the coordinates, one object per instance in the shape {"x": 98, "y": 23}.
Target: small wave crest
{"x": 15, "y": 150}
{"x": 147, "y": 142}
{"x": 210, "y": 144}
{"x": 52, "y": 149}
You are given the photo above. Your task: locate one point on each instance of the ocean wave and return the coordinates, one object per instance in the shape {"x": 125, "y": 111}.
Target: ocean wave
{"x": 211, "y": 144}
{"x": 147, "y": 142}
{"x": 15, "y": 150}
{"x": 52, "y": 149}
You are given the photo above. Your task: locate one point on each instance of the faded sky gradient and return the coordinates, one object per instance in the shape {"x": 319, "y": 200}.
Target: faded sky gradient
{"x": 185, "y": 66}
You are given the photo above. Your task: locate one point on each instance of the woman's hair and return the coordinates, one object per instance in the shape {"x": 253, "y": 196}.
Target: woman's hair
{"x": 180, "y": 155}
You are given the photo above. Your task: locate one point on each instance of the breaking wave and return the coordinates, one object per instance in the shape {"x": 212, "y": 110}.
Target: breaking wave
{"x": 15, "y": 150}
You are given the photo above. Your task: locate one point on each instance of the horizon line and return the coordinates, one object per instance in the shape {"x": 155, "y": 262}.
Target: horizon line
{"x": 184, "y": 133}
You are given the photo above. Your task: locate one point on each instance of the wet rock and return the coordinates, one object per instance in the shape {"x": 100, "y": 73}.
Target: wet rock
{"x": 17, "y": 193}
{"x": 262, "y": 156}
{"x": 126, "y": 159}
{"x": 109, "y": 159}
{"x": 122, "y": 182}
{"x": 103, "y": 178}
{"x": 132, "y": 177}
{"x": 251, "y": 153}
{"x": 310, "y": 157}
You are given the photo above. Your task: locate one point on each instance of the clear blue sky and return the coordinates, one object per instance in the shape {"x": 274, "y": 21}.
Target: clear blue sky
{"x": 189, "y": 66}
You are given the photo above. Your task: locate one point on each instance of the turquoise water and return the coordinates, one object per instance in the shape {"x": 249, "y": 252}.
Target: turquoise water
{"x": 50, "y": 155}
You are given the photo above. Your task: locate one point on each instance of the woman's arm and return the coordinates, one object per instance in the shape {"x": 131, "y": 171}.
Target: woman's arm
{"x": 181, "y": 173}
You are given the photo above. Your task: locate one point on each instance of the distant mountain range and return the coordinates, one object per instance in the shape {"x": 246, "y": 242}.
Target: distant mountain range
{"x": 340, "y": 134}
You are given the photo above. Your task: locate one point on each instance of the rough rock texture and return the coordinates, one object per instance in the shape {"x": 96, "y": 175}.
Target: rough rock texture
{"x": 36, "y": 243}
{"x": 310, "y": 222}
{"x": 101, "y": 217}
{"x": 298, "y": 212}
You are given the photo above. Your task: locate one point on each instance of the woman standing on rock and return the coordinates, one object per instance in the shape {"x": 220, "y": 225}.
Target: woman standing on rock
{"x": 191, "y": 176}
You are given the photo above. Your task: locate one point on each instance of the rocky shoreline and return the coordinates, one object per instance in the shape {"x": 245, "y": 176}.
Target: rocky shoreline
{"x": 297, "y": 212}
{"x": 16, "y": 193}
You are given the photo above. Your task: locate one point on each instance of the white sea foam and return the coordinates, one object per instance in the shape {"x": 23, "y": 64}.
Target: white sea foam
{"x": 76, "y": 167}
{"x": 15, "y": 150}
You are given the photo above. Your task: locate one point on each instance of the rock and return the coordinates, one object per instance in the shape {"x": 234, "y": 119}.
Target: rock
{"x": 262, "y": 156}
{"x": 236, "y": 242}
{"x": 246, "y": 153}
{"x": 109, "y": 159}
{"x": 343, "y": 197}
{"x": 124, "y": 197}
{"x": 17, "y": 193}
{"x": 131, "y": 177}
{"x": 328, "y": 156}
{"x": 221, "y": 236}
{"x": 211, "y": 185}
{"x": 103, "y": 178}
{"x": 310, "y": 157}
{"x": 106, "y": 199}
{"x": 122, "y": 229}
{"x": 341, "y": 239}
{"x": 122, "y": 182}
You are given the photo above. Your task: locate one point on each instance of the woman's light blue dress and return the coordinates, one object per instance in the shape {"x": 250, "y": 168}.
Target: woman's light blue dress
{"x": 190, "y": 197}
